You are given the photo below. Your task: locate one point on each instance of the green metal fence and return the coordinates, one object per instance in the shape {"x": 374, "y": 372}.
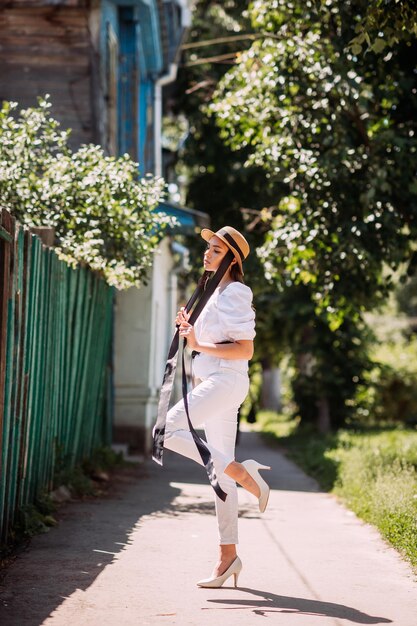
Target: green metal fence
{"x": 55, "y": 363}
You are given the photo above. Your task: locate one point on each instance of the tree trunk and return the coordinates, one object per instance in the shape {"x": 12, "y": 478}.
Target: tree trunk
{"x": 323, "y": 417}
{"x": 271, "y": 389}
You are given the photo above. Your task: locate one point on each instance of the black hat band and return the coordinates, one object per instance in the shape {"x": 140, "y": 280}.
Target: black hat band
{"x": 232, "y": 242}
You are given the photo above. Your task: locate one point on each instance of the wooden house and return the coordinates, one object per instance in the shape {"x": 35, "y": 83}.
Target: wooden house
{"x": 101, "y": 61}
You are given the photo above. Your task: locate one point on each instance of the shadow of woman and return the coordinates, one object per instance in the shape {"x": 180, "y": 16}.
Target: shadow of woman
{"x": 272, "y": 603}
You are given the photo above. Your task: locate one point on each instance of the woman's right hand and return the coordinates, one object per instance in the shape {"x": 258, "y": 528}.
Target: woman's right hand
{"x": 182, "y": 316}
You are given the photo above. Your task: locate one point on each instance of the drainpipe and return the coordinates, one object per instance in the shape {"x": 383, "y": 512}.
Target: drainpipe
{"x": 163, "y": 80}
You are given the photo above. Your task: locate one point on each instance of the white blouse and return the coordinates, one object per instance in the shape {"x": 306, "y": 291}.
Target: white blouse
{"x": 227, "y": 316}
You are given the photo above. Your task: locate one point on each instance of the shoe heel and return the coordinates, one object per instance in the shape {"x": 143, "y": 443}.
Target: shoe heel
{"x": 216, "y": 582}
{"x": 262, "y": 467}
{"x": 253, "y": 467}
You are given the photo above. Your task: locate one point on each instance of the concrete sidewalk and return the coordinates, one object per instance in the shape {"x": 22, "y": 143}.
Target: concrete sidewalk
{"x": 133, "y": 558}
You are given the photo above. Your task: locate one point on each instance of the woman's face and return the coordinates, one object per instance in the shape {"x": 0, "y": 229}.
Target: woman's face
{"x": 215, "y": 252}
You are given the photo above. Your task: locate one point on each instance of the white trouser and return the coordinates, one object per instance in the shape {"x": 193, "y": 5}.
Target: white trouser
{"x": 213, "y": 403}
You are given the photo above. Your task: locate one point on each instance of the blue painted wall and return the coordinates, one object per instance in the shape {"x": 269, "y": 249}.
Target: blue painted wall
{"x": 136, "y": 26}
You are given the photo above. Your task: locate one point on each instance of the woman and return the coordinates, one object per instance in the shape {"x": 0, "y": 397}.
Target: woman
{"x": 222, "y": 343}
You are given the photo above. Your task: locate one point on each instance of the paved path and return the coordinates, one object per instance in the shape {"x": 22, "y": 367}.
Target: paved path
{"x": 132, "y": 559}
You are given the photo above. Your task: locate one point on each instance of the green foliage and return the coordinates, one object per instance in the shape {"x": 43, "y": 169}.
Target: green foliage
{"x": 103, "y": 459}
{"x": 335, "y": 130}
{"x": 329, "y": 364}
{"x": 406, "y": 295}
{"x": 276, "y": 426}
{"x": 218, "y": 182}
{"x": 102, "y": 214}
{"x": 375, "y": 473}
{"x": 389, "y": 391}
{"x": 32, "y": 519}
{"x": 79, "y": 479}
{"x": 377, "y": 478}
{"x": 303, "y": 445}
{"x": 384, "y": 24}
{"x": 32, "y": 522}
{"x": 336, "y": 135}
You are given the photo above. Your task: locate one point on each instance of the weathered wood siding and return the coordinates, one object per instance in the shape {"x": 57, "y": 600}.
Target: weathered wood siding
{"x": 47, "y": 49}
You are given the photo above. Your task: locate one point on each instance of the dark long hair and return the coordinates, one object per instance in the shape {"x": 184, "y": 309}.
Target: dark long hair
{"x": 235, "y": 274}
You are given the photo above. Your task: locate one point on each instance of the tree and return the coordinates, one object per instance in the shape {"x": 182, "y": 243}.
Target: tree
{"x": 218, "y": 182}
{"x": 102, "y": 214}
{"x": 383, "y": 24}
{"x": 338, "y": 131}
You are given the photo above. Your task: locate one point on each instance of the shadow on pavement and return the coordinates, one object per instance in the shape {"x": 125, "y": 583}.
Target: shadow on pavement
{"x": 92, "y": 533}
{"x": 71, "y": 556}
{"x": 273, "y": 603}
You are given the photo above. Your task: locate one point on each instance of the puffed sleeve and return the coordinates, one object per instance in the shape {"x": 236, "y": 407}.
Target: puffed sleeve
{"x": 236, "y": 315}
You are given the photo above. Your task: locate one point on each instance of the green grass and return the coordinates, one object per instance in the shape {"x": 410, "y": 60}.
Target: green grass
{"x": 373, "y": 472}
{"x": 80, "y": 479}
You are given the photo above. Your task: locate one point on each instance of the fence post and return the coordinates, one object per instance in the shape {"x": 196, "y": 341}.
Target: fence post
{"x": 55, "y": 348}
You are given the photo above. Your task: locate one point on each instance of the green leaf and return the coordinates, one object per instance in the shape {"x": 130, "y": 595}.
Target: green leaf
{"x": 379, "y": 45}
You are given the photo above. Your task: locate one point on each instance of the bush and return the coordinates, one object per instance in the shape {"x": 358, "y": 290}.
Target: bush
{"x": 101, "y": 212}
{"x": 103, "y": 459}
{"x": 389, "y": 393}
{"x": 377, "y": 479}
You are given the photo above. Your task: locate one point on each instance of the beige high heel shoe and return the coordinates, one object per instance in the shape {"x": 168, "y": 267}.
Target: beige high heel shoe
{"x": 214, "y": 583}
{"x": 253, "y": 467}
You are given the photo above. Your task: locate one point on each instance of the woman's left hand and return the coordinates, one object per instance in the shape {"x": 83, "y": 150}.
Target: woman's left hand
{"x": 187, "y": 331}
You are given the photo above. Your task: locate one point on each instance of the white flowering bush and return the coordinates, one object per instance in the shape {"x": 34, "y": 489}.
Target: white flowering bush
{"x": 101, "y": 211}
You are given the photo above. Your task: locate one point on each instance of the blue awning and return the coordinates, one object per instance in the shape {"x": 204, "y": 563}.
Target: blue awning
{"x": 189, "y": 219}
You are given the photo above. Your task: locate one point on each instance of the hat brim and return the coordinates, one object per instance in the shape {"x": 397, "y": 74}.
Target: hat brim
{"x": 207, "y": 234}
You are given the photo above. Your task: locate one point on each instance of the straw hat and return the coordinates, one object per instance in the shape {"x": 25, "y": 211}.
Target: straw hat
{"x": 233, "y": 240}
